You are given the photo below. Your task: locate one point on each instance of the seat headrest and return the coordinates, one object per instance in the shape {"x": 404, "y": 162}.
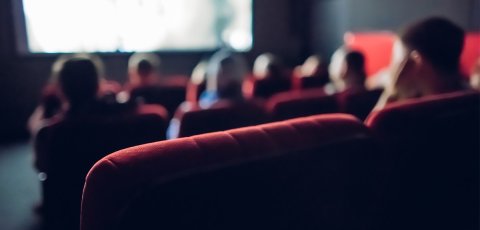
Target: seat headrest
{"x": 116, "y": 178}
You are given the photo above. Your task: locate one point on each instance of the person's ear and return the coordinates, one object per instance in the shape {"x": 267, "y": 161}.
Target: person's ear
{"x": 416, "y": 57}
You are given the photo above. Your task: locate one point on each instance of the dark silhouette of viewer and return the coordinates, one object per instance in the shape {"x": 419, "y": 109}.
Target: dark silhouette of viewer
{"x": 348, "y": 76}
{"x": 425, "y": 61}
{"x": 347, "y": 70}
{"x": 222, "y": 101}
{"x": 269, "y": 78}
{"x": 79, "y": 84}
{"x": 147, "y": 85}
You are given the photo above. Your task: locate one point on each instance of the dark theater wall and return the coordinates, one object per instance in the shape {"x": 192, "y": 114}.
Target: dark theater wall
{"x": 22, "y": 77}
{"x": 332, "y": 18}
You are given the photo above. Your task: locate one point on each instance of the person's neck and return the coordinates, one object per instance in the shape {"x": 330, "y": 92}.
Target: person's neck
{"x": 441, "y": 83}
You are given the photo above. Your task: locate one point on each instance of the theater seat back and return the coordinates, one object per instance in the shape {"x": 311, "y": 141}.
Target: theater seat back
{"x": 265, "y": 88}
{"x": 358, "y": 102}
{"x": 434, "y": 146}
{"x": 294, "y": 104}
{"x": 311, "y": 173}
{"x": 70, "y": 148}
{"x": 220, "y": 117}
{"x": 169, "y": 96}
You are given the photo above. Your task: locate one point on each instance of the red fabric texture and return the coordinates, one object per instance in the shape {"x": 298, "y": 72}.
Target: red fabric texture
{"x": 300, "y": 103}
{"x": 358, "y": 102}
{"x": 222, "y": 116}
{"x": 117, "y": 178}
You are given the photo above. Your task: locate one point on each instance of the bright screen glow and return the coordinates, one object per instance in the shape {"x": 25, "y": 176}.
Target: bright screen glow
{"x": 65, "y": 26}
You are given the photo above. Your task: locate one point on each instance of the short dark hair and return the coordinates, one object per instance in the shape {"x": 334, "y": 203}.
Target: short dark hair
{"x": 78, "y": 80}
{"x": 437, "y": 39}
{"x": 355, "y": 61}
{"x": 144, "y": 67}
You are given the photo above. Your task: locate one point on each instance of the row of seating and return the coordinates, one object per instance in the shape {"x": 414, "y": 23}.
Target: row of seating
{"x": 412, "y": 165}
{"x": 281, "y": 106}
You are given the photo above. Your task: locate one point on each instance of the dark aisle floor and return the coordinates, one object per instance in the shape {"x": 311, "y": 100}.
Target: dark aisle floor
{"x": 19, "y": 188}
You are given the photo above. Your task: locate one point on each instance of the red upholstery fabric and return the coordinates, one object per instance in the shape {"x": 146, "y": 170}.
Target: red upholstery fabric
{"x": 222, "y": 116}
{"x": 358, "y": 102}
{"x": 433, "y": 146}
{"x": 68, "y": 148}
{"x": 308, "y": 173}
{"x": 300, "y": 103}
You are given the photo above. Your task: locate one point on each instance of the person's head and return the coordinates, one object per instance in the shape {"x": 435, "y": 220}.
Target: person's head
{"x": 347, "y": 69}
{"x": 142, "y": 67}
{"x": 225, "y": 74}
{"x": 426, "y": 57}
{"x": 79, "y": 81}
{"x": 355, "y": 68}
{"x": 267, "y": 65}
{"x": 314, "y": 66}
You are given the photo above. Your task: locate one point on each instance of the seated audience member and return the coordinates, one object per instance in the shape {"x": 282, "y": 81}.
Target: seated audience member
{"x": 225, "y": 75}
{"x": 347, "y": 70}
{"x": 312, "y": 74}
{"x": 146, "y": 87}
{"x": 53, "y": 101}
{"x": 425, "y": 61}
{"x": 87, "y": 129}
{"x": 475, "y": 77}
{"x": 143, "y": 70}
{"x": 79, "y": 86}
{"x": 268, "y": 78}
{"x": 348, "y": 75}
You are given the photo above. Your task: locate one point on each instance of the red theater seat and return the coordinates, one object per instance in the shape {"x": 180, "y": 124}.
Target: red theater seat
{"x": 170, "y": 94}
{"x": 220, "y": 117}
{"x": 300, "y": 103}
{"x": 68, "y": 148}
{"x": 358, "y": 102}
{"x": 433, "y": 145}
{"x": 309, "y": 173}
{"x": 309, "y": 82}
{"x": 265, "y": 88}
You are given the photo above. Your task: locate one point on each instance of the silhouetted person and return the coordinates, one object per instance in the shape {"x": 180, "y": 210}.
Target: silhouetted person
{"x": 53, "y": 102}
{"x": 268, "y": 77}
{"x": 225, "y": 75}
{"x": 87, "y": 129}
{"x": 348, "y": 75}
{"x": 147, "y": 86}
{"x": 143, "y": 70}
{"x": 425, "y": 61}
{"x": 79, "y": 83}
{"x": 312, "y": 74}
{"x": 347, "y": 70}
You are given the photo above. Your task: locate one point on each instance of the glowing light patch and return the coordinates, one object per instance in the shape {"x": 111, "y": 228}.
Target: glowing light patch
{"x": 64, "y": 26}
